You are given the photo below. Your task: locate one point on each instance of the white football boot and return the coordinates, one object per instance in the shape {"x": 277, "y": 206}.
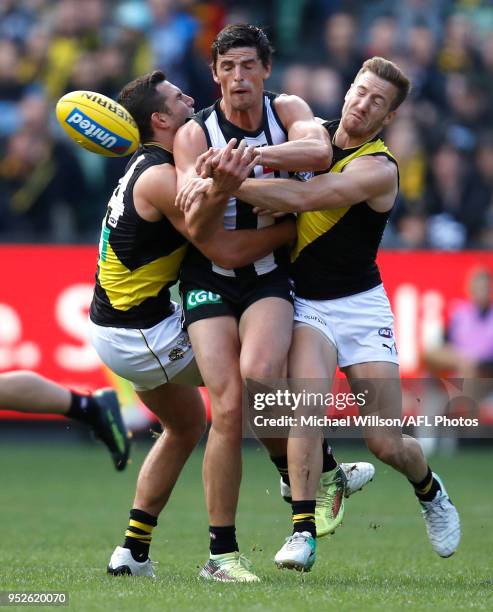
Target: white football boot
{"x": 298, "y": 552}
{"x": 442, "y": 522}
{"x": 123, "y": 564}
{"x": 357, "y": 475}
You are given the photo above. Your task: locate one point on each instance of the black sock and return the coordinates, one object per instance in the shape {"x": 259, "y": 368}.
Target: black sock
{"x": 281, "y": 464}
{"x": 223, "y": 540}
{"x": 329, "y": 463}
{"x": 427, "y": 488}
{"x": 82, "y": 408}
{"x": 304, "y": 516}
{"x": 139, "y": 533}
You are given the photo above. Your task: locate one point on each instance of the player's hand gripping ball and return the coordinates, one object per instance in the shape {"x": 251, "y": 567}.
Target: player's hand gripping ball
{"x": 98, "y": 123}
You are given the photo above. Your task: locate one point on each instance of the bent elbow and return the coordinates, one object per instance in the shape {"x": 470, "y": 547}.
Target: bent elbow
{"x": 322, "y": 158}
{"x": 196, "y": 233}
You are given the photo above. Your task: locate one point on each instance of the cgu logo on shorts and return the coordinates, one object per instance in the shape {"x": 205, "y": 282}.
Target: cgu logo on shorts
{"x": 199, "y": 297}
{"x": 95, "y": 132}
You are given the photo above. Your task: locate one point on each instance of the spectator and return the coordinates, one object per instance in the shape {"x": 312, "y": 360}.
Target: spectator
{"x": 452, "y": 223}
{"x": 171, "y": 38}
{"x": 468, "y": 348}
{"x": 41, "y": 188}
{"x": 343, "y": 55}
{"x": 446, "y": 47}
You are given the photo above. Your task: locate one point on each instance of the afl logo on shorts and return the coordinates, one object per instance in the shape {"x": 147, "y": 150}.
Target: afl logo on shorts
{"x": 385, "y": 332}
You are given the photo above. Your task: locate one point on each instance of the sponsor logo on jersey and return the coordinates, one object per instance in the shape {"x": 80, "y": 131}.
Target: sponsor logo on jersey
{"x": 199, "y": 297}
{"x": 95, "y": 132}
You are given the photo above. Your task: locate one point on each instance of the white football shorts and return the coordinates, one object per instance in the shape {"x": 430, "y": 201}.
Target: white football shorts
{"x": 360, "y": 326}
{"x": 149, "y": 357}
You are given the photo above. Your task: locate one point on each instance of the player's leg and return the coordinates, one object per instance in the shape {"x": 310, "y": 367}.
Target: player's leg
{"x": 312, "y": 356}
{"x": 26, "y": 391}
{"x": 154, "y": 360}
{"x": 266, "y": 329}
{"x": 368, "y": 356}
{"x": 216, "y": 345}
{"x": 181, "y": 413}
{"x": 336, "y": 481}
{"x": 405, "y": 454}
{"x": 401, "y": 452}
{"x": 29, "y": 392}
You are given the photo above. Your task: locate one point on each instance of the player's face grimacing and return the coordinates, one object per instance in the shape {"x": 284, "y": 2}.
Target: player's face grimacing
{"x": 241, "y": 75}
{"x": 179, "y": 106}
{"x": 367, "y": 105}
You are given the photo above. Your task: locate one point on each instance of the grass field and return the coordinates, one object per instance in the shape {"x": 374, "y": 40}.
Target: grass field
{"x": 63, "y": 510}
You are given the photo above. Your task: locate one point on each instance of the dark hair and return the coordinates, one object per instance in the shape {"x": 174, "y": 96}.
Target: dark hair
{"x": 141, "y": 98}
{"x": 242, "y": 35}
{"x": 388, "y": 71}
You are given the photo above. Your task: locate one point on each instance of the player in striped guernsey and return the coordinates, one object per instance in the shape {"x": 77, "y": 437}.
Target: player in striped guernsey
{"x": 243, "y": 329}
{"x": 134, "y": 326}
{"x": 342, "y": 313}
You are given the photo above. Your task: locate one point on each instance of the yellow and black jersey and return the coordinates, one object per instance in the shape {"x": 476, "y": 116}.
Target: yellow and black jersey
{"x": 138, "y": 259}
{"x": 336, "y": 249}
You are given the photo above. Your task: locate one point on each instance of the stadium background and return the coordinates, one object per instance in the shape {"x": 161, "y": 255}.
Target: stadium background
{"x": 53, "y": 196}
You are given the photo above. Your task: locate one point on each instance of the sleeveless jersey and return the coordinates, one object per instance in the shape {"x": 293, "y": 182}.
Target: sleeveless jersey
{"x": 238, "y": 215}
{"x": 335, "y": 254}
{"x": 138, "y": 260}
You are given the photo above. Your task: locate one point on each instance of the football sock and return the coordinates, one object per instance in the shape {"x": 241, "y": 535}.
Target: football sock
{"x": 82, "y": 408}
{"x": 223, "y": 540}
{"x": 427, "y": 488}
{"x": 281, "y": 464}
{"x": 304, "y": 516}
{"x": 139, "y": 533}
{"x": 329, "y": 463}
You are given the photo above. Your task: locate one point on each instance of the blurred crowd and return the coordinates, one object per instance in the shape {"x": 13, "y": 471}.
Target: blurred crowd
{"x": 51, "y": 190}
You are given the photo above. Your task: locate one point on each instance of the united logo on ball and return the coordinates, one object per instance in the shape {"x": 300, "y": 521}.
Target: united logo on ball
{"x": 98, "y": 123}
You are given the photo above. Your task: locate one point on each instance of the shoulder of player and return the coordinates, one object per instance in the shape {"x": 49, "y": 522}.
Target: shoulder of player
{"x": 291, "y": 107}
{"x": 190, "y": 128}
{"x": 156, "y": 184}
{"x": 289, "y": 102}
{"x": 379, "y": 165}
{"x": 189, "y": 142}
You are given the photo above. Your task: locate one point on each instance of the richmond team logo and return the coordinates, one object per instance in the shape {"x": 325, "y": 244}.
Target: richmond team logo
{"x": 95, "y": 132}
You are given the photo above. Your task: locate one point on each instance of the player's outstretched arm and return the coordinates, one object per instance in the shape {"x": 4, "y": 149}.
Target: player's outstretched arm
{"x": 242, "y": 247}
{"x": 308, "y": 146}
{"x": 366, "y": 179}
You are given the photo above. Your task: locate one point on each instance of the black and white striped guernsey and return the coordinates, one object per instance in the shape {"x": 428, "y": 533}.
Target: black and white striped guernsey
{"x": 238, "y": 215}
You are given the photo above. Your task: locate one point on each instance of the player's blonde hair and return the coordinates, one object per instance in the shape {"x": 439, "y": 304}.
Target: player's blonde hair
{"x": 388, "y": 71}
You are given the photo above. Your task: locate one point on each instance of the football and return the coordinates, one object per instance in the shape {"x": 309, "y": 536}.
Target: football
{"x": 98, "y": 123}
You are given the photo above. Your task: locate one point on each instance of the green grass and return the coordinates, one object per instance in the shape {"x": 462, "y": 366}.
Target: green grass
{"x": 63, "y": 510}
